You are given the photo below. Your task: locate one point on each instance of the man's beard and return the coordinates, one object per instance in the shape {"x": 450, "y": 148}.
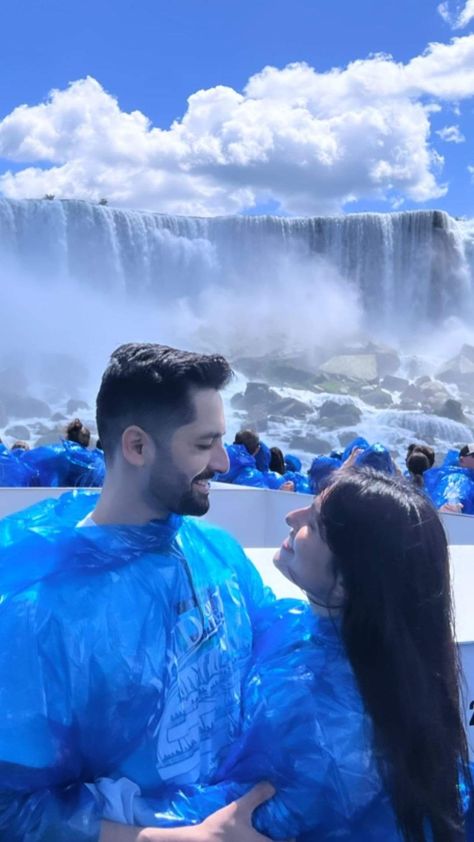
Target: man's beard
{"x": 193, "y": 501}
{"x": 190, "y": 501}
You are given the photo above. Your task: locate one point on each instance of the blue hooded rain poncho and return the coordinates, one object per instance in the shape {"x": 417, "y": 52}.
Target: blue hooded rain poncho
{"x": 64, "y": 465}
{"x": 124, "y": 651}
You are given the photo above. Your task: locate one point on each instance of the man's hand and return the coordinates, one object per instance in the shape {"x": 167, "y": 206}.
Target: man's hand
{"x": 454, "y": 508}
{"x": 231, "y": 824}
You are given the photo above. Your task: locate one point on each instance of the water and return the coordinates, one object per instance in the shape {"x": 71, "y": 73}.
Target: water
{"x": 406, "y": 270}
{"x": 79, "y": 278}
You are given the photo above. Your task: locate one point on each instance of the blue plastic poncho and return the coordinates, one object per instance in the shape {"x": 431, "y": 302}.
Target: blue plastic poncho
{"x": 124, "y": 651}
{"x": 451, "y": 485}
{"x": 359, "y": 443}
{"x": 378, "y": 457}
{"x": 242, "y": 468}
{"x": 305, "y": 730}
{"x": 65, "y": 465}
{"x": 292, "y": 462}
{"x": 321, "y": 469}
{"x": 13, "y": 474}
{"x": 263, "y": 457}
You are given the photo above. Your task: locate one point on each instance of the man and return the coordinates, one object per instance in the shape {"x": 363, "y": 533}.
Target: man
{"x": 127, "y": 629}
{"x": 466, "y": 456}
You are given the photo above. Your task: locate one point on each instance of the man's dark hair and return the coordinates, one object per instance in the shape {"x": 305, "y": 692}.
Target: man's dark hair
{"x": 150, "y": 385}
{"x": 249, "y": 439}
{"x": 77, "y": 432}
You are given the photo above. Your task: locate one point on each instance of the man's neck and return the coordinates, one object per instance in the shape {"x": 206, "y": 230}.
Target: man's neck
{"x": 120, "y": 505}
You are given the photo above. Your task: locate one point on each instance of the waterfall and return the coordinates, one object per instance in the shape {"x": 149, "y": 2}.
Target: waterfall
{"x": 413, "y": 268}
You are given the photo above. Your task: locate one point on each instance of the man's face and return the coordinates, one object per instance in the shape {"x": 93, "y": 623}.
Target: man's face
{"x": 467, "y": 461}
{"x": 186, "y": 461}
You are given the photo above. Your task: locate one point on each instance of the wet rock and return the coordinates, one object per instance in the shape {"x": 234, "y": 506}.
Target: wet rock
{"x": 24, "y": 406}
{"x": 260, "y": 400}
{"x": 53, "y": 436}
{"x": 378, "y": 398}
{"x": 332, "y": 414}
{"x": 357, "y": 366}
{"x": 452, "y": 409}
{"x": 58, "y": 416}
{"x": 460, "y": 369}
{"x": 74, "y": 405}
{"x": 310, "y": 444}
{"x": 394, "y": 383}
{"x": 18, "y": 431}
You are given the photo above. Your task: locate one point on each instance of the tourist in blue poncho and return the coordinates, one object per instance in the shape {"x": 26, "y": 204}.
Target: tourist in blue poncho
{"x": 351, "y": 707}
{"x": 126, "y": 628}
{"x": 451, "y": 487}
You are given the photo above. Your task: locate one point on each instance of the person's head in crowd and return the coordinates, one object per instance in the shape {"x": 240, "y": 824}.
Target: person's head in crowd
{"x": 421, "y": 448}
{"x": 160, "y": 420}
{"x": 292, "y": 463}
{"x": 20, "y": 445}
{"x": 249, "y": 439}
{"x": 77, "y": 432}
{"x": 417, "y": 463}
{"x": 372, "y": 551}
{"x": 377, "y": 457}
{"x": 277, "y": 460}
{"x": 466, "y": 456}
{"x": 321, "y": 469}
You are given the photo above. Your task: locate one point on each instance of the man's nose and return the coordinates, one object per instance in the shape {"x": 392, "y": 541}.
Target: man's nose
{"x": 219, "y": 461}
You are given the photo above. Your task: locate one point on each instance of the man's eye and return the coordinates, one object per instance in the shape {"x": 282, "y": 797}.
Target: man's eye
{"x": 204, "y": 446}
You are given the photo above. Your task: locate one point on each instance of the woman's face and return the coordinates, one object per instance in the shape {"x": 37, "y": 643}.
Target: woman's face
{"x": 305, "y": 558}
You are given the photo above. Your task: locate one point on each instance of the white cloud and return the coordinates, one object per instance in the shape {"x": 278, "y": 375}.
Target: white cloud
{"x": 457, "y": 15}
{"x": 451, "y": 134}
{"x": 312, "y": 142}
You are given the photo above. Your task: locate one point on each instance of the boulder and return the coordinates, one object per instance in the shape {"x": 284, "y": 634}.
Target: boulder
{"x": 24, "y": 406}
{"x": 333, "y": 414}
{"x": 58, "y": 416}
{"x": 260, "y": 400}
{"x": 18, "y": 431}
{"x": 310, "y": 444}
{"x": 393, "y": 383}
{"x": 74, "y": 405}
{"x": 378, "y": 398}
{"x": 452, "y": 409}
{"x": 357, "y": 366}
{"x": 460, "y": 369}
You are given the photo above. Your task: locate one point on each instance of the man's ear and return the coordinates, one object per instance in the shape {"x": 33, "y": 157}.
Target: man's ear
{"x": 136, "y": 445}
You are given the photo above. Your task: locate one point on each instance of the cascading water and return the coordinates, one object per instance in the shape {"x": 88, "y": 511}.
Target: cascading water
{"x": 75, "y": 275}
{"x": 412, "y": 268}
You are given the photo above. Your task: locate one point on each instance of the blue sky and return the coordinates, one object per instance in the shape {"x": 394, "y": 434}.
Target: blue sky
{"x": 149, "y": 56}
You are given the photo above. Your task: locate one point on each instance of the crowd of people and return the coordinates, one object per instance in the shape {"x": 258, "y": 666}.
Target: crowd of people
{"x": 71, "y": 463}
{"x": 449, "y": 485}
{"x": 154, "y": 690}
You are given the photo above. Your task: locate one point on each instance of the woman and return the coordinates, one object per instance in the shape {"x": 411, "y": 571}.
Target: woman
{"x": 351, "y": 708}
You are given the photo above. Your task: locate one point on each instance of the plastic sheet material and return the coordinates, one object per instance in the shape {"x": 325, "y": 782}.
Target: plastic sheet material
{"x": 111, "y": 637}
{"x": 451, "y": 485}
{"x": 263, "y": 457}
{"x": 359, "y": 443}
{"x": 13, "y": 474}
{"x": 321, "y": 469}
{"x": 64, "y": 465}
{"x": 239, "y": 460}
{"x": 292, "y": 463}
{"x": 306, "y": 731}
{"x": 376, "y": 456}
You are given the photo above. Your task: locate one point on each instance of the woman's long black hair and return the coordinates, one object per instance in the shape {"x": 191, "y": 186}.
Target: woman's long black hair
{"x": 389, "y": 545}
